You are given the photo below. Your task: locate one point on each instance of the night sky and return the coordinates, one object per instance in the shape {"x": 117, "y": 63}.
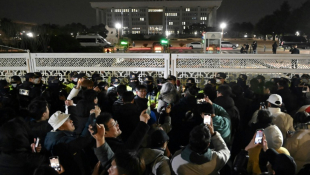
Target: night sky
{"x": 67, "y": 11}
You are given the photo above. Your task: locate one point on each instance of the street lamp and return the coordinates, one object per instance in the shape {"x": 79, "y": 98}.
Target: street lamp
{"x": 118, "y": 26}
{"x": 222, "y": 26}
{"x": 297, "y": 33}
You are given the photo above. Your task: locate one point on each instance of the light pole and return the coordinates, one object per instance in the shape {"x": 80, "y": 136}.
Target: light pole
{"x": 118, "y": 26}
{"x": 222, "y": 26}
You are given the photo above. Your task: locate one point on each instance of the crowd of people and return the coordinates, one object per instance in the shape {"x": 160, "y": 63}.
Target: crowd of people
{"x": 88, "y": 126}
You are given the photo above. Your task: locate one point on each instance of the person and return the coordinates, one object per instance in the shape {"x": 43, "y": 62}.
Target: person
{"x": 16, "y": 156}
{"x": 119, "y": 163}
{"x": 220, "y": 79}
{"x": 134, "y": 82}
{"x": 133, "y": 43}
{"x": 197, "y": 157}
{"x": 243, "y": 49}
{"x": 140, "y": 99}
{"x": 254, "y": 46}
{"x": 120, "y": 91}
{"x": 155, "y": 160}
{"x": 70, "y": 147}
{"x": 289, "y": 99}
{"x": 295, "y": 61}
{"x": 247, "y": 47}
{"x": 274, "y": 47}
{"x": 168, "y": 95}
{"x": 296, "y": 143}
{"x": 49, "y": 49}
{"x": 127, "y": 114}
{"x": 283, "y": 120}
{"x": 28, "y": 91}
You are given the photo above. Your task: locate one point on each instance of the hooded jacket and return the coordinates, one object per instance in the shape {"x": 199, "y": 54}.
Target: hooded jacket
{"x": 298, "y": 146}
{"x": 187, "y": 161}
{"x": 155, "y": 158}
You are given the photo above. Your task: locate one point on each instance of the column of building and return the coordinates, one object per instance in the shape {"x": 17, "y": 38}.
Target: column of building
{"x": 97, "y": 16}
{"x": 130, "y": 21}
{"x": 147, "y": 20}
{"x": 180, "y": 21}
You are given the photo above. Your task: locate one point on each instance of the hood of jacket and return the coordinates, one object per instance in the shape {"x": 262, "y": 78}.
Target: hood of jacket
{"x": 149, "y": 154}
{"x": 273, "y": 136}
{"x": 193, "y": 157}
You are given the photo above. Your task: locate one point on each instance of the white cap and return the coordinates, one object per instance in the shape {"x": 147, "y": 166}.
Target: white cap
{"x": 275, "y": 99}
{"x": 57, "y": 119}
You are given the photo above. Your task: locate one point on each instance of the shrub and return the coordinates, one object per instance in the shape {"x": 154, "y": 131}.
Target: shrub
{"x": 181, "y": 44}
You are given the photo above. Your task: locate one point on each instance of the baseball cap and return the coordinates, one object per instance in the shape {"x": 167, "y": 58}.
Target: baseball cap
{"x": 38, "y": 74}
{"x": 133, "y": 77}
{"x": 58, "y": 119}
{"x": 171, "y": 77}
{"x": 305, "y": 76}
{"x": 221, "y": 75}
{"x": 73, "y": 74}
{"x": 81, "y": 75}
{"x": 148, "y": 78}
{"x": 158, "y": 138}
{"x": 53, "y": 79}
{"x": 161, "y": 81}
{"x": 15, "y": 78}
{"x": 190, "y": 80}
{"x": 114, "y": 80}
{"x": 243, "y": 76}
{"x": 31, "y": 75}
{"x": 211, "y": 81}
{"x": 275, "y": 99}
{"x": 260, "y": 77}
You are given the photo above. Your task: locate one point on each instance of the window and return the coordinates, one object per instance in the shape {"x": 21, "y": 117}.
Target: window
{"x": 135, "y": 32}
{"x": 184, "y": 27}
{"x": 155, "y": 10}
{"x": 187, "y": 9}
{"x": 170, "y": 23}
{"x": 203, "y": 18}
{"x": 183, "y": 23}
{"x": 137, "y": 28}
{"x": 194, "y": 18}
{"x": 141, "y": 19}
{"x": 134, "y": 10}
{"x": 171, "y": 14}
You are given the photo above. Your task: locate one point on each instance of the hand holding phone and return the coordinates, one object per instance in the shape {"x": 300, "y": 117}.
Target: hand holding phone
{"x": 37, "y": 142}
{"x": 207, "y": 118}
{"x": 259, "y": 136}
{"x": 54, "y": 161}
{"x": 262, "y": 105}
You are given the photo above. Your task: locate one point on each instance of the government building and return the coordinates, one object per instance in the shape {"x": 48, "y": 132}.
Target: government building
{"x": 156, "y": 16}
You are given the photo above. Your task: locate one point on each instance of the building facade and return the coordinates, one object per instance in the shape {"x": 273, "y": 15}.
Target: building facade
{"x": 156, "y": 17}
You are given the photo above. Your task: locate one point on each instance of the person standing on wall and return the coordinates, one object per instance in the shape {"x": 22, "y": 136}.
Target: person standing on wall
{"x": 274, "y": 48}
{"x": 294, "y": 61}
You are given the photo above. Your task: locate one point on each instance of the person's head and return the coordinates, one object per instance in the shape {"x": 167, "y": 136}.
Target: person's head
{"x": 111, "y": 126}
{"x": 115, "y": 81}
{"x": 220, "y": 78}
{"x": 211, "y": 82}
{"x": 134, "y": 81}
{"x": 280, "y": 163}
{"x": 38, "y": 74}
{"x": 33, "y": 78}
{"x": 242, "y": 80}
{"x": 206, "y": 108}
{"x": 282, "y": 84}
{"x": 260, "y": 78}
{"x": 38, "y": 110}
{"x": 274, "y": 101}
{"x": 87, "y": 84}
{"x": 95, "y": 76}
{"x": 224, "y": 90}
{"x": 74, "y": 77}
{"x": 192, "y": 91}
{"x": 103, "y": 86}
{"x": 302, "y": 119}
{"x": 61, "y": 121}
{"x": 264, "y": 117}
{"x": 90, "y": 96}
{"x": 190, "y": 82}
{"x": 15, "y": 80}
{"x": 141, "y": 91}
{"x": 160, "y": 82}
{"x": 159, "y": 139}
{"x": 128, "y": 97}
{"x": 200, "y": 139}
{"x": 172, "y": 79}
{"x": 274, "y": 137}
{"x": 126, "y": 163}
{"x": 148, "y": 82}
{"x": 168, "y": 88}
{"x": 121, "y": 89}
{"x": 53, "y": 82}
{"x": 295, "y": 46}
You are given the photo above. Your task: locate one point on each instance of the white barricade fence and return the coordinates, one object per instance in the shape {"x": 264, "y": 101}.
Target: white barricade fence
{"x": 14, "y": 64}
{"x": 205, "y": 66}
{"x": 107, "y": 65}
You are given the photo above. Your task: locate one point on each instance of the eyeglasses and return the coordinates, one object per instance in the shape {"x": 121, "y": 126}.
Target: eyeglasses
{"x": 142, "y": 91}
{"x": 115, "y": 124}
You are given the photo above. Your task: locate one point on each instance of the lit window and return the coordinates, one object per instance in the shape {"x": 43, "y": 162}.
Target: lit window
{"x": 184, "y": 27}
{"x": 203, "y": 18}
{"x": 134, "y": 10}
{"x": 141, "y": 19}
{"x": 170, "y": 23}
{"x": 155, "y": 10}
{"x": 183, "y": 23}
{"x": 187, "y": 9}
{"x": 171, "y": 14}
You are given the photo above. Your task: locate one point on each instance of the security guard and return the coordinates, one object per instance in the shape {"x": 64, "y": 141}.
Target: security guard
{"x": 15, "y": 84}
{"x": 134, "y": 82}
{"x": 28, "y": 90}
{"x": 72, "y": 81}
{"x": 148, "y": 82}
{"x": 220, "y": 79}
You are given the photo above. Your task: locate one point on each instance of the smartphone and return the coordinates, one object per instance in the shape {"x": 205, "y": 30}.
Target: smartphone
{"x": 37, "y": 141}
{"x": 259, "y": 136}
{"x": 262, "y": 104}
{"x": 148, "y": 110}
{"x": 94, "y": 125}
{"x": 207, "y": 118}
{"x": 54, "y": 160}
{"x": 24, "y": 92}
